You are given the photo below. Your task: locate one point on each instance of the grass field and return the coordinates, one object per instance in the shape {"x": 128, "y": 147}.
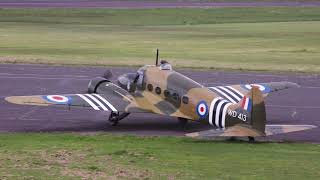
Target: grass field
{"x": 102, "y": 156}
{"x": 229, "y": 0}
{"x": 280, "y": 39}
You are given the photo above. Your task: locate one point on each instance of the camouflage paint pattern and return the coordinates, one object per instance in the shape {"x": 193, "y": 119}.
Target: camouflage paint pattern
{"x": 238, "y": 110}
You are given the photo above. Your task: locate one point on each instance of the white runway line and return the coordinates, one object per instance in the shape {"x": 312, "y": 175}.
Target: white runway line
{"x": 258, "y": 75}
{"x": 224, "y": 84}
{"x": 311, "y": 87}
{"x": 41, "y": 75}
{"x": 299, "y": 107}
{"x": 54, "y": 78}
{"x": 29, "y": 68}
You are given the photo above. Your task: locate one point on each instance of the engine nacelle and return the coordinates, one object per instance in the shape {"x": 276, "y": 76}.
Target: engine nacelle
{"x": 126, "y": 79}
{"x": 94, "y": 84}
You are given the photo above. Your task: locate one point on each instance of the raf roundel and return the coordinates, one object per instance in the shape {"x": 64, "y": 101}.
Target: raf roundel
{"x": 262, "y": 88}
{"x": 57, "y": 99}
{"x": 202, "y": 109}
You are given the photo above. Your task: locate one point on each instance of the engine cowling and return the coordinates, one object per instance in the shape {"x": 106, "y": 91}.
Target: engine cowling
{"x": 94, "y": 84}
{"x": 126, "y": 79}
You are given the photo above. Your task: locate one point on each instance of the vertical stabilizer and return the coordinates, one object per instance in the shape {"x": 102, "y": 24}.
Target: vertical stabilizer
{"x": 253, "y": 124}
{"x": 253, "y": 102}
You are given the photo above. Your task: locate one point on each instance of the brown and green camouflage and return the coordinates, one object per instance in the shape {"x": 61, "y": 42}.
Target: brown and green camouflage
{"x": 237, "y": 110}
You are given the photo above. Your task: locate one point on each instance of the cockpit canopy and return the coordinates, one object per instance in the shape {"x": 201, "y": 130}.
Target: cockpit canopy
{"x": 125, "y": 80}
{"x": 130, "y": 80}
{"x": 164, "y": 65}
{"x": 135, "y": 80}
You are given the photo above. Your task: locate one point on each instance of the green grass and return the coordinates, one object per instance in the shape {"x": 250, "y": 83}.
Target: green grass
{"x": 105, "y": 156}
{"x": 157, "y": 17}
{"x": 273, "y": 39}
{"x": 231, "y": 0}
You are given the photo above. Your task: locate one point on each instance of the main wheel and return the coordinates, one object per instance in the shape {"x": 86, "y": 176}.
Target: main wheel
{"x": 114, "y": 119}
{"x": 251, "y": 139}
{"x": 182, "y": 122}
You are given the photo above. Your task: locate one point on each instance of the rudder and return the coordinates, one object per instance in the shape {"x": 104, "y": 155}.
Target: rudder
{"x": 256, "y": 109}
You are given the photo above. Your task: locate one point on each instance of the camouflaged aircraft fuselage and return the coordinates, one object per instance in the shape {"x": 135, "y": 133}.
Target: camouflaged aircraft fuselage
{"x": 171, "y": 93}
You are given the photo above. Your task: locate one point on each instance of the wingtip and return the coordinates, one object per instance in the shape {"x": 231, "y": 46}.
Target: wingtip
{"x": 9, "y": 99}
{"x": 26, "y": 100}
{"x": 281, "y": 129}
{"x": 193, "y": 135}
{"x": 288, "y": 84}
{"x": 13, "y": 99}
{"x": 293, "y": 85}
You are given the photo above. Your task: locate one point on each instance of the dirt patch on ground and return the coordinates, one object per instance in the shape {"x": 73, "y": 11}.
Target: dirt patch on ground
{"x": 17, "y": 60}
{"x": 78, "y": 164}
{"x": 84, "y": 174}
{"x": 134, "y": 174}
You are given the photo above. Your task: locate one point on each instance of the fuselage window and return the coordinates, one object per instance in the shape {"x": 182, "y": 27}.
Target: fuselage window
{"x": 185, "y": 99}
{"x": 158, "y": 90}
{"x": 150, "y": 87}
{"x": 175, "y": 96}
{"x": 166, "y": 93}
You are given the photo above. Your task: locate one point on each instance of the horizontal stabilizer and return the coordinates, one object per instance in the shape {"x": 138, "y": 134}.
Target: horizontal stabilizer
{"x": 244, "y": 131}
{"x": 241, "y": 130}
{"x": 235, "y": 93}
{"x": 280, "y": 129}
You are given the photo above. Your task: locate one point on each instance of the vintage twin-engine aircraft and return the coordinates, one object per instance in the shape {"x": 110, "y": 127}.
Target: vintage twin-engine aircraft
{"x": 235, "y": 110}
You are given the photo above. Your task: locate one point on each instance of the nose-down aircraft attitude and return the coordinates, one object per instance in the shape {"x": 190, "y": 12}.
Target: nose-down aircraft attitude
{"x": 233, "y": 110}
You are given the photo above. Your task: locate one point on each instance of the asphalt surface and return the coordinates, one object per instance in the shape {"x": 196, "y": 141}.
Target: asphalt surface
{"x": 140, "y": 4}
{"x": 293, "y": 106}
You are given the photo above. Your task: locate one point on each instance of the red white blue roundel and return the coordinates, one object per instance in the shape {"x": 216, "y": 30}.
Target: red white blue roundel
{"x": 58, "y": 99}
{"x": 202, "y": 109}
{"x": 262, "y": 88}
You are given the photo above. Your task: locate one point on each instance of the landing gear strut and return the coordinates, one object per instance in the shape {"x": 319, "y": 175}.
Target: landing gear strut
{"x": 182, "y": 122}
{"x": 115, "y": 117}
{"x": 251, "y": 139}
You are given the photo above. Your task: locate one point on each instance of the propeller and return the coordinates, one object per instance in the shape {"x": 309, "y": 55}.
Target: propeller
{"x": 133, "y": 85}
{"x": 107, "y": 74}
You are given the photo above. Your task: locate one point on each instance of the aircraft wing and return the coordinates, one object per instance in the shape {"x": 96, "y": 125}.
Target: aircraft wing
{"x": 112, "y": 99}
{"x": 234, "y": 93}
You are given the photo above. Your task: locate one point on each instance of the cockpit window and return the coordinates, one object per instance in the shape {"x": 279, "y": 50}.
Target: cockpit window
{"x": 140, "y": 76}
{"x": 164, "y": 65}
{"x": 140, "y": 80}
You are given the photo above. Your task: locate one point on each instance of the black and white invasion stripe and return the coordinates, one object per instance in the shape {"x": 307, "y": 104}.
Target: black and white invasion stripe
{"x": 228, "y": 92}
{"x": 217, "y": 112}
{"x": 97, "y": 102}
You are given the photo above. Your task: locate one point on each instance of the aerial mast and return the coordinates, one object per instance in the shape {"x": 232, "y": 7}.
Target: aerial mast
{"x": 157, "y": 57}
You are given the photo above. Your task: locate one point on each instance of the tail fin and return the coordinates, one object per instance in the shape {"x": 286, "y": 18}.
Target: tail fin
{"x": 254, "y": 124}
{"x": 253, "y": 103}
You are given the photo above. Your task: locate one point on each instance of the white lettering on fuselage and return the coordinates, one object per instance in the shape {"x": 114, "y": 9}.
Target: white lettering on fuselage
{"x": 235, "y": 114}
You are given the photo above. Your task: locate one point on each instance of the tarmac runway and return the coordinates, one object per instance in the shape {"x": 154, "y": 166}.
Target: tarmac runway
{"x": 293, "y": 106}
{"x": 136, "y": 4}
